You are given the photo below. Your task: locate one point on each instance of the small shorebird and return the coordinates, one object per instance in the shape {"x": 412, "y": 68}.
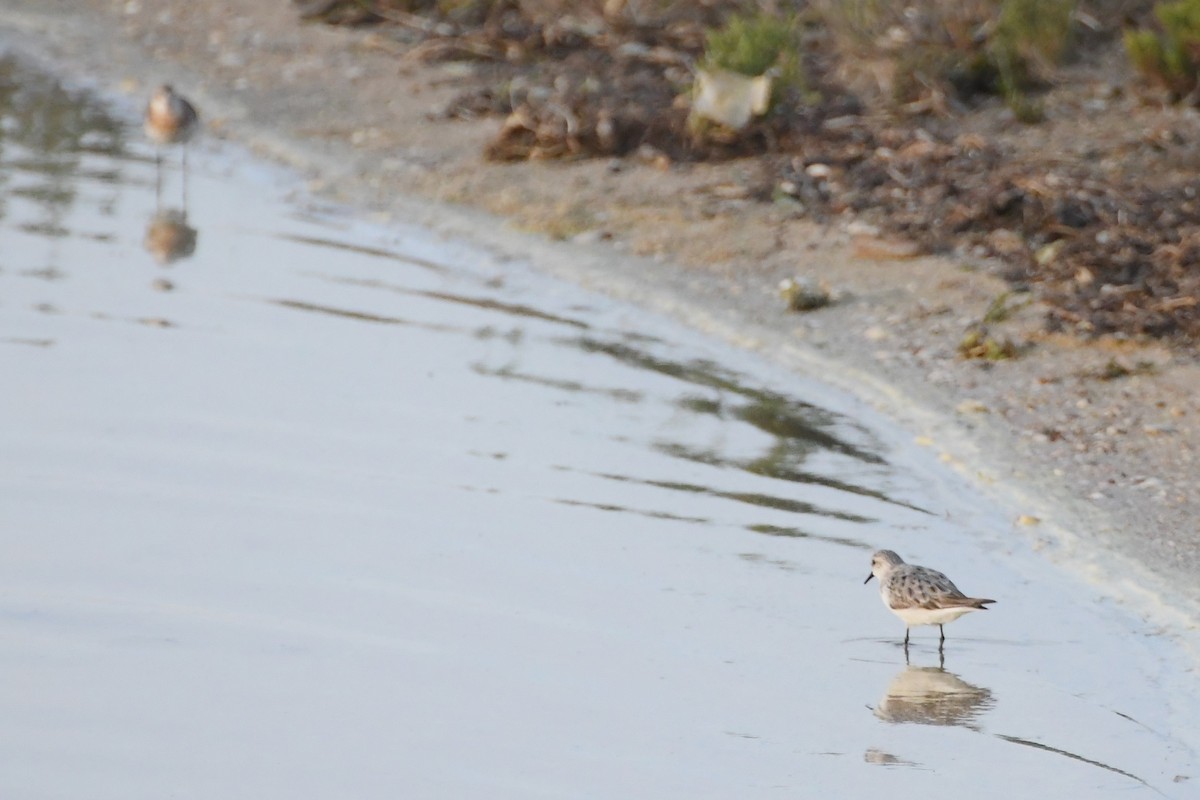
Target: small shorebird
{"x": 170, "y": 119}
{"x": 920, "y": 595}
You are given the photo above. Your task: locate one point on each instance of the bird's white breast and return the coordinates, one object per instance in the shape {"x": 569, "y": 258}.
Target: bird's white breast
{"x": 930, "y": 616}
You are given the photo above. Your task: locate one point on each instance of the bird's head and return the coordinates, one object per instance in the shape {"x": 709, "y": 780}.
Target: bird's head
{"x": 882, "y": 563}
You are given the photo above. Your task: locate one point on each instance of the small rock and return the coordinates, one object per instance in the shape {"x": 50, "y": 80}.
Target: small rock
{"x": 803, "y": 294}
{"x": 842, "y": 123}
{"x": 593, "y": 236}
{"x": 971, "y": 407}
{"x": 730, "y": 191}
{"x": 652, "y": 156}
{"x": 876, "y": 249}
{"x": 1047, "y": 253}
{"x": 1006, "y": 242}
{"x": 860, "y": 228}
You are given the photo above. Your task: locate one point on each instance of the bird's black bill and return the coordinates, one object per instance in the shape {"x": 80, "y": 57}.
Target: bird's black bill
{"x": 868, "y": 580}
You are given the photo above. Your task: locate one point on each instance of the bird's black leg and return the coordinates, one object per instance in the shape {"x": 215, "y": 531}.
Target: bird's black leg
{"x": 157, "y": 179}
{"x": 185, "y": 181}
{"x": 942, "y": 641}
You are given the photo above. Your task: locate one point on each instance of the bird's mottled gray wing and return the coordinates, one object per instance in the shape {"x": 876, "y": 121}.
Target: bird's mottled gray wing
{"x": 911, "y": 586}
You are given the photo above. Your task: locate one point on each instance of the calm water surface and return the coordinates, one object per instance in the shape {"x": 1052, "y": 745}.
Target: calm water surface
{"x": 299, "y": 506}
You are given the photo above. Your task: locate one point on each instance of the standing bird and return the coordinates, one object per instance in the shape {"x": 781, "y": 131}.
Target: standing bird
{"x": 170, "y": 119}
{"x": 920, "y": 595}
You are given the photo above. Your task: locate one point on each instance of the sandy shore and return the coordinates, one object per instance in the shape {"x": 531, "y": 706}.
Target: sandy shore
{"x": 1098, "y": 471}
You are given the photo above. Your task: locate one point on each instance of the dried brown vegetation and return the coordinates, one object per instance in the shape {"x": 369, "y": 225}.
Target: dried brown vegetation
{"x": 893, "y": 124}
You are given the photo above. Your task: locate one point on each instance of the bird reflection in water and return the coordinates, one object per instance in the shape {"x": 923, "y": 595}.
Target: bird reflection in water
{"x": 933, "y": 696}
{"x": 169, "y": 237}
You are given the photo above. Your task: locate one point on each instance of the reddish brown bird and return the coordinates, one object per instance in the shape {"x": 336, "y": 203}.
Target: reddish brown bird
{"x": 170, "y": 119}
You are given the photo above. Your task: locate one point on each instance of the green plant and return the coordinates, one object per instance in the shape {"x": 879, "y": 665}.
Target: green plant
{"x": 1033, "y": 32}
{"x": 1030, "y": 36}
{"x": 752, "y": 44}
{"x": 978, "y": 343}
{"x": 1115, "y": 370}
{"x": 1171, "y": 57}
{"x": 963, "y": 48}
{"x": 1000, "y": 309}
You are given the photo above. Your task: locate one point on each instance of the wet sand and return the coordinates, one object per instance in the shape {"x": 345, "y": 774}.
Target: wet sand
{"x": 1097, "y": 472}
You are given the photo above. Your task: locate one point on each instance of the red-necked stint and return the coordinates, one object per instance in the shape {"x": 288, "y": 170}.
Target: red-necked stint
{"x": 170, "y": 118}
{"x": 920, "y": 595}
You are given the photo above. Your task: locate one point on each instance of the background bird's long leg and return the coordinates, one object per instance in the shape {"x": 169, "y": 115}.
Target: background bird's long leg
{"x": 942, "y": 640}
{"x": 906, "y": 632}
{"x": 185, "y": 180}
{"x": 158, "y": 179}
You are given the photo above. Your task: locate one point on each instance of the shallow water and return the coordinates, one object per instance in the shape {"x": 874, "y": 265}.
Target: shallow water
{"x": 296, "y": 505}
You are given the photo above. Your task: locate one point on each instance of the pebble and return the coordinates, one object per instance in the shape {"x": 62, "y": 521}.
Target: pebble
{"x": 803, "y": 294}
{"x": 875, "y": 334}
